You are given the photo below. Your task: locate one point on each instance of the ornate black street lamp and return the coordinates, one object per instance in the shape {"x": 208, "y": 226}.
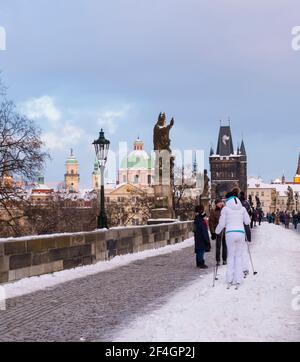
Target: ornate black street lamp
{"x": 101, "y": 148}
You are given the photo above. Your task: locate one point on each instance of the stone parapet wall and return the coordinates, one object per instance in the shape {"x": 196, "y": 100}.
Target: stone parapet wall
{"x": 36, "y": 255}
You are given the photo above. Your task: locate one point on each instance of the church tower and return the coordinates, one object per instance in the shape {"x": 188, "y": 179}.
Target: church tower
{"x": 96, "y": 181}
{"x": 228, "y": 167}
{"x": 72, "y": 175}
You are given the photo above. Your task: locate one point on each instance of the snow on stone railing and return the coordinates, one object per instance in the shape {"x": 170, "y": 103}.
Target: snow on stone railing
{"x": 40, "y": 254}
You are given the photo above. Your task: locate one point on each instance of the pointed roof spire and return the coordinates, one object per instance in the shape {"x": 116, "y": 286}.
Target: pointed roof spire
{"x": 225, "y": 144}
{"x": 72, "y": 158}
{"x": 283, "y": 178}
{"x": 195, "y": 165}
{"x": 211, "y": 152}
{"x": 243, "y": 149}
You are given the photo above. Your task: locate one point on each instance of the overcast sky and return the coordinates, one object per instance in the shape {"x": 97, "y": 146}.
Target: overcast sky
{"x": 77, "y": 65}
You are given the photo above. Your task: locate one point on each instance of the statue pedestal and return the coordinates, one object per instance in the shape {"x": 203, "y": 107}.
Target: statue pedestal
{"x": 163, "y": 211}
{"x": 291, "y": 206}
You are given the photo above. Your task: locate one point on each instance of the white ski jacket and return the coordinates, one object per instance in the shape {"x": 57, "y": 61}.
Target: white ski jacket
{"x": 233, "y": 217}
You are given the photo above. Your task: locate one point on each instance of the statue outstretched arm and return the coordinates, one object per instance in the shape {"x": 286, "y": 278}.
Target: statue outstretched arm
{"x": 171, "y": 123}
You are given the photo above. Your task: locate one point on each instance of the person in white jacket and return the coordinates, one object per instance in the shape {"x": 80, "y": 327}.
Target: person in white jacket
{"x": 233, "y": 218}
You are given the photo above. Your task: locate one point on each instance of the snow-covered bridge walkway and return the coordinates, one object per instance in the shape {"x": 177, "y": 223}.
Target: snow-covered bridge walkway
{"x": 92, "y": 302}
{"x": 159, "y": 295}
{"x": 265, "y": 308}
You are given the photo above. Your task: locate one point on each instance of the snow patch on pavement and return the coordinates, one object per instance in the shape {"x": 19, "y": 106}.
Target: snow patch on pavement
{"x": 265, "y": 308}
{"x": 33, "y": 284}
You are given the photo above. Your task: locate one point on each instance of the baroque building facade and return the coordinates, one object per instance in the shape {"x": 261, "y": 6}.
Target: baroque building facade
{"x": 275, "y": 195}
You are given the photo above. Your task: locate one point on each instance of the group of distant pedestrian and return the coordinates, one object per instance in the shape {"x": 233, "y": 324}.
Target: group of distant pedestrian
{"x": 285, "y": 218}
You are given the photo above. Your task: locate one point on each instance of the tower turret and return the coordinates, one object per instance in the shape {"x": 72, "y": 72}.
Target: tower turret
{"x": 72, "y": 175}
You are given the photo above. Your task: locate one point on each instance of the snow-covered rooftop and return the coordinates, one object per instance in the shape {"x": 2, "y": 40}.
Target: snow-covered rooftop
{"x": 257, "y": 182}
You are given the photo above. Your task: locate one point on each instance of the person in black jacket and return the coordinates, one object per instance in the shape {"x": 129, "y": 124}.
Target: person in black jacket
{"x": 214, "y": 218}
{"x": 202, "y": 242}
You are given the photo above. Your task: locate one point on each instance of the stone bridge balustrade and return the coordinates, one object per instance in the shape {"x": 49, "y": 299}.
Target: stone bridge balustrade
{"x": 36, "y": 255}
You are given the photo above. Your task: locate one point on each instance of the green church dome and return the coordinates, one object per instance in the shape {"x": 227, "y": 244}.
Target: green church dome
{"x": 137, "y": 160}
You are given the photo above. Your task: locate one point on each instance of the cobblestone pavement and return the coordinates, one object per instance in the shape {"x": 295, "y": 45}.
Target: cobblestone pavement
{"x": 94, "y": 307}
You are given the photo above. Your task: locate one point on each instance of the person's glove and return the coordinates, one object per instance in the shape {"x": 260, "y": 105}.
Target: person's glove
{"x": 213, "y": 236}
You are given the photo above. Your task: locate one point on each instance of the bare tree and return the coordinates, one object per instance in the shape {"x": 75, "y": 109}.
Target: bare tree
{"x": 57, "y": 214}
{"x": 21, "y": 156}
{"x": 57, "y": 217}
{"x": 118, "y": 213}
{"x": 137, "y": 205}
{"x": 183, "y": 203}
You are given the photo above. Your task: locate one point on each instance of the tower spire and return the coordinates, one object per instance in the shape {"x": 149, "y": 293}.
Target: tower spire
{"x": 283, "y": 178}
{"x": 243, "y": 149}
{"x": 195, "y": 166}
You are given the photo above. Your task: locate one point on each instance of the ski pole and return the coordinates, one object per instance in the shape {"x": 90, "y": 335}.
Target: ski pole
{"x": 254, "y": 272}
{"x": 217, "y": 266}
{"x": 215, "y": 275}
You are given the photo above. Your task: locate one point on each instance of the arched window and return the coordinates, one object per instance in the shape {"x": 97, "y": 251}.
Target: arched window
{"x": 136, "y": 179}
{"x": 149, "y": 180}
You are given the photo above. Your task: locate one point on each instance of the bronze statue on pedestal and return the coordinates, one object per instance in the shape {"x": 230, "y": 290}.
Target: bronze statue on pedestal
{"x": 164, "y": 171}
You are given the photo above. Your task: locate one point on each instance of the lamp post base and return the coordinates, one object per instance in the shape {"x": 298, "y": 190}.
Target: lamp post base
{"x": 102, "y": 222}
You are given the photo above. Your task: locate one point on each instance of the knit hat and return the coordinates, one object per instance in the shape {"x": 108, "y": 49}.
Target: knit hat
{"x": 230, "y": 194}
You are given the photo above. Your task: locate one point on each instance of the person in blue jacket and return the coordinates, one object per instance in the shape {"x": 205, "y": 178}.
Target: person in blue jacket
{"x": 202, "y": 241}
